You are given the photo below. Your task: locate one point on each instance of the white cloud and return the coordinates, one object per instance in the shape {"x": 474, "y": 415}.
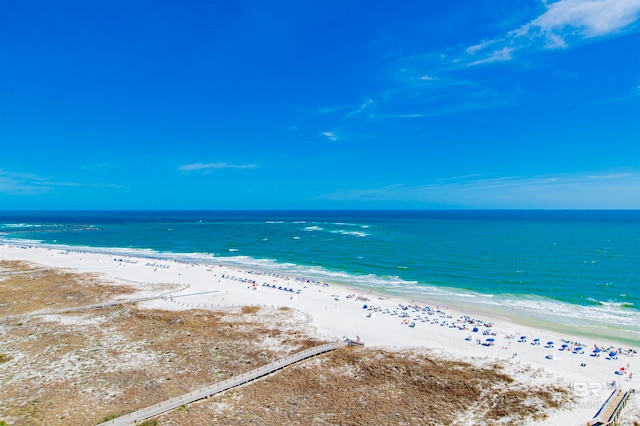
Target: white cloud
{"x": 503, "y": 54}
{"x": 31, "y": 184}
{"x": 613, "y": 176}
{"x": 20, "y": 183}
{"x": 590, "y": 18}
{"x": 577, "y": 191}
{"x": 471, "y": 50}
{"x": 565, "y": 22}
{"x": 330, "y": 135}
{"x": 361, "y": 108}
{"x": 209, "y": 166}
{"x": 633, "y": 94}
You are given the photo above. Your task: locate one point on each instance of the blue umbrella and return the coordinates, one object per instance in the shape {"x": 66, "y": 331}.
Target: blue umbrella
{"x": 549, "y": 343}
{"x": 536, "y": 340}
{"x": 597, "y": 351}
{"x": 565, "y": 345}
{"x": 491, "y": 339}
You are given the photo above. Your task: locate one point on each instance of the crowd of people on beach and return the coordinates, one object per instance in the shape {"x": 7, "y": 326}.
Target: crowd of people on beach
{"x": 476, "y": 330}
{"x": 410, "y": 315}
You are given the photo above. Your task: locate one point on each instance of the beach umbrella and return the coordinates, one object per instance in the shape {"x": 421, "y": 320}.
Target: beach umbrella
{"x": 491, "y": 339}
{"x": 597, "y": 351}
{"x": 523, "y": 337}
{"x": 577, "y": 349}
{"x": 536, "y": 340}
{"x": 612, "y": 354}
{"x": 549, "y": 343}
{"x": 564, "y": 345}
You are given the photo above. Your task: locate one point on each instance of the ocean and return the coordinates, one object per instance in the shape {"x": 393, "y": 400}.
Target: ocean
{"x": 571, "y": 271}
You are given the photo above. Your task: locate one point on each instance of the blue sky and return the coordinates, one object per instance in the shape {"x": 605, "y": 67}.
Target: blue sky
{"x": 319, "y": 104}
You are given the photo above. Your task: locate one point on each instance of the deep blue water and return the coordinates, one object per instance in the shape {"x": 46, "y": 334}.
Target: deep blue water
{"x": 577, "y": 268}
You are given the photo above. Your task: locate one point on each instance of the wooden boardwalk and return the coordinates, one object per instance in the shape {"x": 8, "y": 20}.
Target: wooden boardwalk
{"x": 610, "y": 410}
{"x": 232, "y": 382}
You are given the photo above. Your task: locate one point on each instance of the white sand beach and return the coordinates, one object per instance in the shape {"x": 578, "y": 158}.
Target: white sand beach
{"x": 336, "y": 312}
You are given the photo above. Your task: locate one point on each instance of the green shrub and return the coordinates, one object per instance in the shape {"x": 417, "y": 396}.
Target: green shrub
{"x": 110, "y": 416}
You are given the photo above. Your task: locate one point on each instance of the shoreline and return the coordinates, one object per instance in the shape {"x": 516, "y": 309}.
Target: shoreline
{"x": 581, "y": 320}
{"x": 336, "y": 311}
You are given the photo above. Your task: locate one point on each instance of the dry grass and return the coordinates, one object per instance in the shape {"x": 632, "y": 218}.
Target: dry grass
{"x": 125, "y": 358}
{"x": 355, "y": 386}
{"x": 29, "y": 288}
{"x": 250, "y": 309}
{"x": 85, "y": 367}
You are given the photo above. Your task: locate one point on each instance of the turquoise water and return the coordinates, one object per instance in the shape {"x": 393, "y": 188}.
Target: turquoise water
{"x": 571, "y": 270}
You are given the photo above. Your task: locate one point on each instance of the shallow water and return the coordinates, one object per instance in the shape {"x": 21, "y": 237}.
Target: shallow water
{"x": 568, "y": 270}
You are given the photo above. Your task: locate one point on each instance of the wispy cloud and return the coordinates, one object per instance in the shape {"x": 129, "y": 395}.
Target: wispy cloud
{"x": 503, "y": 54}
{"x": 361, "y": 108}
{"x": 203, "y": 167}
{"x": 438, "y": 83}
{"x": 330, "y": 135}
{"x": 442, "y": 82}
{"x": 588, "y": 191}
{"x": 21, "y": 183}
{"x": 635, "y": 92}
{"x": 586, "y": 18}
{"x": 15, "y": 183}
{"x": 563, "y": 23}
